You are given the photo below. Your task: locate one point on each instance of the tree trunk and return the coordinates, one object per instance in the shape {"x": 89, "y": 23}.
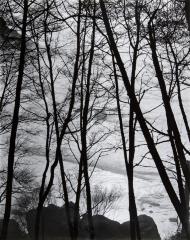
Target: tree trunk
{"x": 169, "y": 113}
{"x": 15, "y": 121}
{"x": 134, "y": 224}
{"x": 58, "y": 155}
{"x": 80, "y": 170}
{"x": 77, "y": 202}
{"x": 84, "y": 156}
{"x": 150, "y": 143}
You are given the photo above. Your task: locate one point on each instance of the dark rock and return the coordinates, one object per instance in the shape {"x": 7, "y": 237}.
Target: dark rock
{"x": 14, "y": 231}
{"x": 53, "y": 222}
{"x": 108, "y": 229}
{"x": 105, "y": 228}
{"x": 148, "y": 228}
{"x": 54, "y": 226}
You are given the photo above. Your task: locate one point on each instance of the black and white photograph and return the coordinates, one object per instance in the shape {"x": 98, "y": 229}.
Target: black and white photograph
{"x": 94, "y": 119}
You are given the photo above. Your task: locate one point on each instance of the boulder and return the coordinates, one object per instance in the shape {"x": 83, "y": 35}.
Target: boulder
{"x": 105, "y": 228}
{"x": 54, "y": 226}
{"x": 14, "y": 231}
{"x": 53, "y": 222}
{"x": 149, "y": 230}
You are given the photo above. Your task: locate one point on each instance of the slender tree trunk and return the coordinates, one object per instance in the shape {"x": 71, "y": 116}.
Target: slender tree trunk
{"x": 77, "y": 202}
{"x": 80, "y": 171}
{"x": 42, "y": 187}
{"x": 84, "y": 156}
{"x": 132, "y": 120}
{"x": 132, "y": 203}
{"x": 134, "y": 225}
{"x": 150, "y": 143}
{"x": 170, "y": 117}
{"x": 132, "y": 220}
{"x": 173, "y": 129}
{"x": 62, "y": 171}
{"x": 179, "y": 176}
{"x": 15, "y": 121}
{"x": 66, "y": 197}
{"x": 58, "y": 155}
{"x": 169, "y": 113}
{"x": 182, "y": 191}
{"x": 184, "y": 115}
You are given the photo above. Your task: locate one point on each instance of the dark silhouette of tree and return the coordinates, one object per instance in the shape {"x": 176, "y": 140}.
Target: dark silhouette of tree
{"x": 161, "y": 169}
{"x": 15, "y": 121}
{"x": 67, "y": 85}
{"x": 84, "y": 157}
{"x": 59, "y": 133}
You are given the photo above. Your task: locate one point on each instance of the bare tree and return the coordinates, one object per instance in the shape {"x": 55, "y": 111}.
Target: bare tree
{"x": 103, "y": 200}
{"x": 15, "y": 126}
{"x": 59, "y": 134}
{"x": 161, "y": 169}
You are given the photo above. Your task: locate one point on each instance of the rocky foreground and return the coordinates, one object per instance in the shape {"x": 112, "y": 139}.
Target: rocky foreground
{"x": 54, "y": 226}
